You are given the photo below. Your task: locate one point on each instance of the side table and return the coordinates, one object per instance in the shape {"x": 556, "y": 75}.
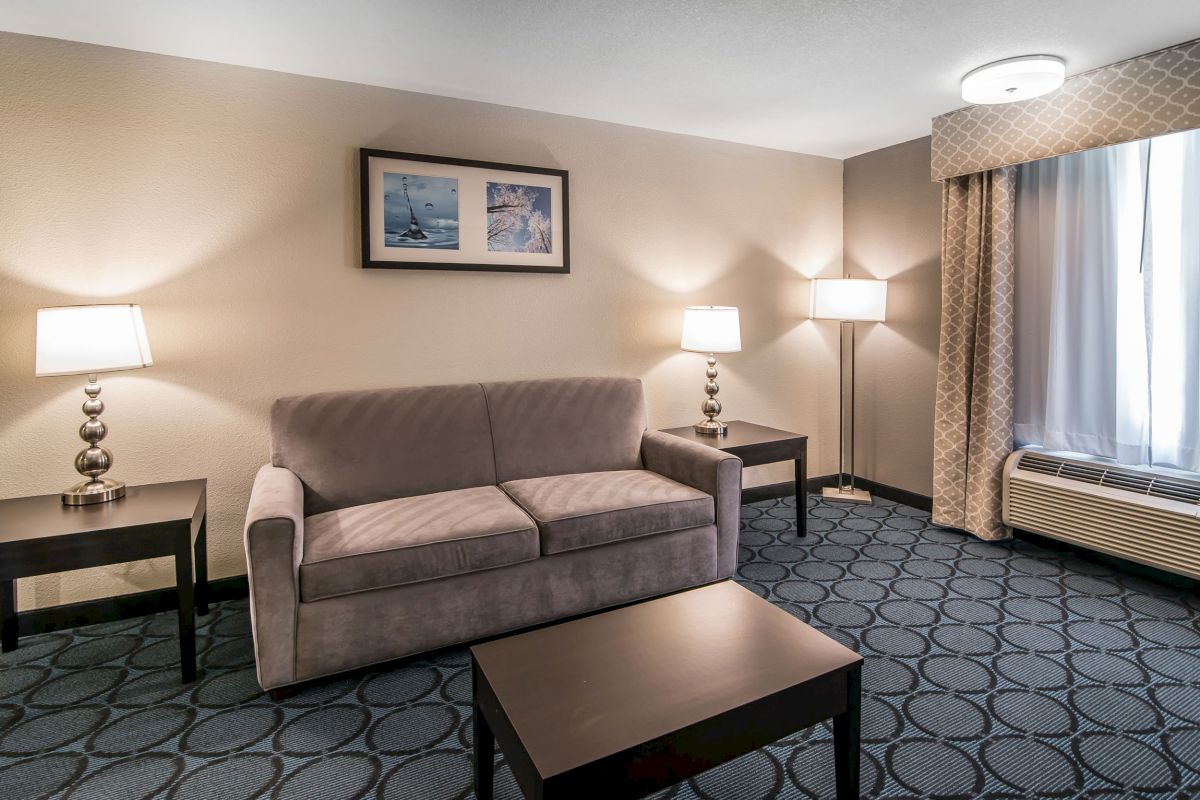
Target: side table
{"x": 758, "y": 444}
{"x": 40, "y": 535}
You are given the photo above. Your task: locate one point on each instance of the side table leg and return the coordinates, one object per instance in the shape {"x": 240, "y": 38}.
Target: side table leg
{"x": 802, "y": 493}
{"x": 201, "y": 554}
{"x": 846, "y": 739}
{"x": 8, "y": 613}
{"x": 485, "y": 744}
{"x": 187, "y": 610}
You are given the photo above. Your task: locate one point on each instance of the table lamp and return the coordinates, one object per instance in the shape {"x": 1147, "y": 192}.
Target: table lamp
{"x": 848, "y": 301}
{"x": 712, "y": 330}
{"x": 86, "y": 340}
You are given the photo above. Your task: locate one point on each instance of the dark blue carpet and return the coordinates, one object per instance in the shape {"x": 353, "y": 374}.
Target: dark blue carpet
{"x": 992, "y": 670}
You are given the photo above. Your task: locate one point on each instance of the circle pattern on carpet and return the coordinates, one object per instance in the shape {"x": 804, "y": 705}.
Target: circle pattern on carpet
{"x": 992, "y": 669}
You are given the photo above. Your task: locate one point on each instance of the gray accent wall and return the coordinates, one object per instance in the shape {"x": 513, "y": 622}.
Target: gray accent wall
{"x": 892, "y": 230}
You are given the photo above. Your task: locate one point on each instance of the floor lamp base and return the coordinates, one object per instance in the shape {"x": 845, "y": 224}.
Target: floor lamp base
{"x": 846, "y": 494}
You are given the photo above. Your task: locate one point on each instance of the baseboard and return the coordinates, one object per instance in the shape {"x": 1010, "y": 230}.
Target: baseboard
{"x": 902, "y": 496}
{"x": 111, "y": 609}
{"x": 773, "y": 491}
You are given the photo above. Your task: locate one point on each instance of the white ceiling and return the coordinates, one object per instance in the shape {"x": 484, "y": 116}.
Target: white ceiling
{"x": 817, "y": 76}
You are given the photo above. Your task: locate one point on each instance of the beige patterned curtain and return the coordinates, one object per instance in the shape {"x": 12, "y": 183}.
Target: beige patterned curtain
{"x": 973, "y": 418}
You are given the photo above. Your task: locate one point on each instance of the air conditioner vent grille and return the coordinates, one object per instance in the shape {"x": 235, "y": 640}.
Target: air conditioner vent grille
{"x": 1130, "y": 481}
{"x": 1084, "y": 473}
{"x": 1037, "y": 463}
{"x": 1133, "y": 481}
{"x": 1175, "y": 490}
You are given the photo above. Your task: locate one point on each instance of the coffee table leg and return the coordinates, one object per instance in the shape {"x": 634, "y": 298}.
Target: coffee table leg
{"x": 485, "y": 745}
{"x": 846, "y": 739}
{"x": 8, "y": 613}
{"x": 185, "y": 588}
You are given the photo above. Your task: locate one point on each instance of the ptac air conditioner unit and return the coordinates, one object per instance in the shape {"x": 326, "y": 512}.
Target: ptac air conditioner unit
{"x": 1134, "y": 513}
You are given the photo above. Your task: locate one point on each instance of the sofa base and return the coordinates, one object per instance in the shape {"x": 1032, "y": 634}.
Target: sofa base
{"x": 353, "y": 631}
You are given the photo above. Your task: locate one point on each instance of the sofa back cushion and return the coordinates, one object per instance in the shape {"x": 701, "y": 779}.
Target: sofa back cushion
{"x": 350, "y": 448}
{"x": 566, "y": 425}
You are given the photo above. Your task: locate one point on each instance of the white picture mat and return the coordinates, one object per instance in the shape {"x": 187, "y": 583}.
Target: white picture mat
{"x": 472, "y": 214}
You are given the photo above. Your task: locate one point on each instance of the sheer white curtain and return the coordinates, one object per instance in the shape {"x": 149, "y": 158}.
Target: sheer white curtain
{"x": 1108, "y": 302}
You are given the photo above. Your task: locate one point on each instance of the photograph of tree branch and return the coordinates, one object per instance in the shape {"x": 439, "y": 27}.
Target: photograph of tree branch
{"x": 518, "y": 218}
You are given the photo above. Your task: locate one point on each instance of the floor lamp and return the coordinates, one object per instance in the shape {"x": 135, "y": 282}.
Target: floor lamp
{"x": 848, "y": 301}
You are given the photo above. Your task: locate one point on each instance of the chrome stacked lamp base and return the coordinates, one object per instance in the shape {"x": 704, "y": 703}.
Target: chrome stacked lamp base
{"x": 94, "y": 460}
{"x": 712, "y": 406}
{"x": 711, "y": 427}
{"x": 100, "y": 490}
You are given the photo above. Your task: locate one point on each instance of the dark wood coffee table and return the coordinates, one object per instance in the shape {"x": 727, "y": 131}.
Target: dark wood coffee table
{"x": 622, "y": 703}
{"x": 756, "y": 445}
{"x": 40, "y": 535}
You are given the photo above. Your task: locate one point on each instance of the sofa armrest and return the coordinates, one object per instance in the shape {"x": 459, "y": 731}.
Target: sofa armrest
{"x": 274, "y": 541}
{"x": 710, "y": 470}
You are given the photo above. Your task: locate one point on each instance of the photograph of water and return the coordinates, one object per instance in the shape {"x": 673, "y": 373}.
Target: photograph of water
{"x": 420, "y": 211}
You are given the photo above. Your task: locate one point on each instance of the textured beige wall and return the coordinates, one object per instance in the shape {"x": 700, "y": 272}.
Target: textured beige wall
{"x": 223, "y": 200}
{"x": 893, "y": 231}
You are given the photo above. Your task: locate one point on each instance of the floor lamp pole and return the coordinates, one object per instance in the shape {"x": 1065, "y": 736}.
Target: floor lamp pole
{"x": 845, "y": 490}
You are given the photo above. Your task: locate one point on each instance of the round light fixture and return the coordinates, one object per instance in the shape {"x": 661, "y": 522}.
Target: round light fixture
{"x": 1013, "y": 79}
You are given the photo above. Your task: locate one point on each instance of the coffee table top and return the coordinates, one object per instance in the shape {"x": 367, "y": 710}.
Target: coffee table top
{"x": 588, "y": 688}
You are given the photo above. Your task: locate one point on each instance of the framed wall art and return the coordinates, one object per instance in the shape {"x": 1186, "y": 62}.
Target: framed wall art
{"x": 428, "y": 212}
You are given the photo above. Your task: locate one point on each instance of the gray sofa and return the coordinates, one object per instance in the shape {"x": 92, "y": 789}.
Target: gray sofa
{"x": 396, "y": 521}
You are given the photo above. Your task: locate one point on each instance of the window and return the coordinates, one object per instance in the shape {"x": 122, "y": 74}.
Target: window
{"x": 1108, "y": 302}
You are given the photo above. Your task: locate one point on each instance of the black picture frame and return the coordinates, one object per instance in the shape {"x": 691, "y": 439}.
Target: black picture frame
{"x": 371, "y": 197}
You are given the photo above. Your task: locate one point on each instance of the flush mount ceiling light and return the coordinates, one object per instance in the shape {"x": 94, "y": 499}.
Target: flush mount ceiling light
{"x": 1013, "y": 79}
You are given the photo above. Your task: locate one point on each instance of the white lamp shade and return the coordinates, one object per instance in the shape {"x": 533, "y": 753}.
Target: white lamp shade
{"x": 1013, "y": 79}
{"x": 76, "y": 340}
{"x": 711, "y": 329}
{"x": 848, "y": 299}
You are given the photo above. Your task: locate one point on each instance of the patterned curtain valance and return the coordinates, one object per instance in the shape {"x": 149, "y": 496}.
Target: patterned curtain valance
{"x": 1145, "y": 96}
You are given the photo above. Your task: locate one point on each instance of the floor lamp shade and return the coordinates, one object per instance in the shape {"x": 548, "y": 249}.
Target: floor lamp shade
{"x": 86, "y": 340}
{"x": 849, "y": 299}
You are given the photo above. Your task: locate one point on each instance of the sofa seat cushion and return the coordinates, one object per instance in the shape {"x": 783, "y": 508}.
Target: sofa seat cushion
{"x": 412, "y": 539}
{"x": 592, "y": 508}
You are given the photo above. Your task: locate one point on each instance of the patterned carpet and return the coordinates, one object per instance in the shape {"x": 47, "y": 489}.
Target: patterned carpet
{"x": 997, "y": 671}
